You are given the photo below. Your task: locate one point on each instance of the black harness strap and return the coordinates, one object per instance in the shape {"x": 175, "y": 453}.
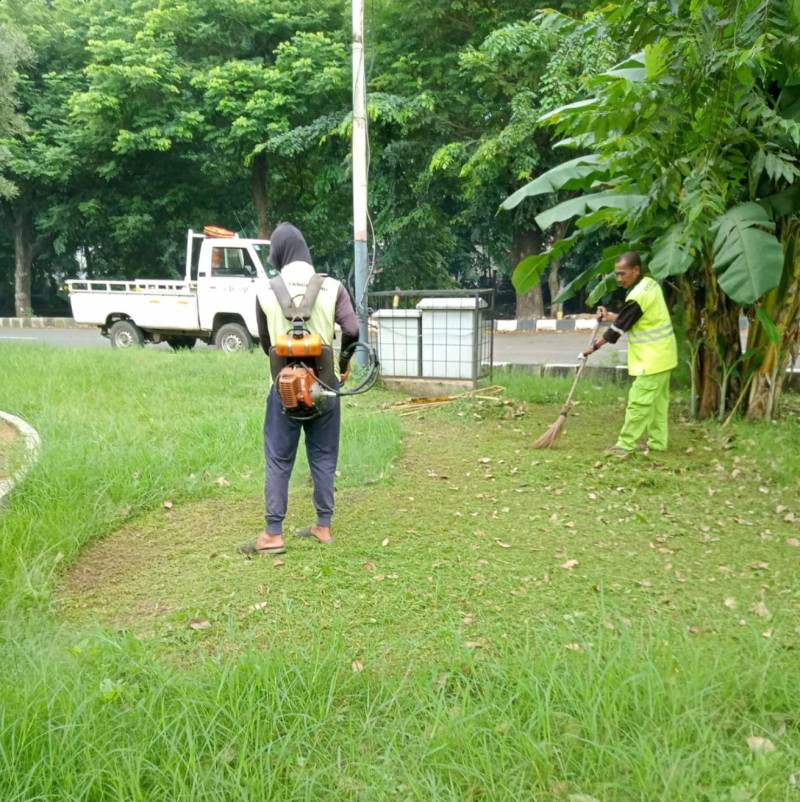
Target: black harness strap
{"x": 290, "y": 309}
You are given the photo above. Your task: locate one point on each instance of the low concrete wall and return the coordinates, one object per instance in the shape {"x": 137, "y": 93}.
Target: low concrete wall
{"x": 426, "y": 388}
{"x": 32, "y": 447}
{"x": 430, "y": 388}
{"x": 552, "y": 324}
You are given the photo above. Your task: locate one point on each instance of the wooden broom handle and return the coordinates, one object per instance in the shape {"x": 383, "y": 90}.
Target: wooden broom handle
{"x": 579, "y": 372}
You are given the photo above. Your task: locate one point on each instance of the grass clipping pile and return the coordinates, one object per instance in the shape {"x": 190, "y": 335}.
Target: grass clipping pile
{"x": 494, "y": 395}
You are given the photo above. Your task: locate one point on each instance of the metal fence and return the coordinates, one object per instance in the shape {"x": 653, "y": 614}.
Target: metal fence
{"x": 433, "y": 334}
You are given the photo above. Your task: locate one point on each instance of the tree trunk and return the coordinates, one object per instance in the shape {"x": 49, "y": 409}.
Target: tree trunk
{"x": 712, "y": 325}
{"x": 23, "y": 262}
{"x": 554, "y": 285}
{"x": 531, "y": 304}
{"x": 258, "y": 187}
{"x": 26, "y": 251}
{"x": 782, "y": 305}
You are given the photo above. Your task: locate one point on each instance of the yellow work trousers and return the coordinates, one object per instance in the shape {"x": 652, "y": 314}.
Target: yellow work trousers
{"x": 647, "y": 412}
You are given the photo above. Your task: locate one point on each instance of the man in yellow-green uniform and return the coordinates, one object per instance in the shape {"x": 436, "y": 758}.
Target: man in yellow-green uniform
{"x": 652, "y": 355}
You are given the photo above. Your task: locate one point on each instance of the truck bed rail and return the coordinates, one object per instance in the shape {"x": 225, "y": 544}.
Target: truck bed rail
{"x": 160, "y": 286}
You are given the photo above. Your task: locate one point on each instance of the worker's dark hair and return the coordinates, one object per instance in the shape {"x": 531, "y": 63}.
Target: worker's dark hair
{"x": 631, "y": 259}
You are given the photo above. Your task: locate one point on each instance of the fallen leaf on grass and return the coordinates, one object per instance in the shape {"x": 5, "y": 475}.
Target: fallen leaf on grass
{"x": 357, "y": 666}
{"x": 385, "y": 542}
{"x": 573, "y": 647}
{"x": 502, "y": 545}
{"x": 759, "y": 744}
{"x": 793, "y": 541}
{"x": 258, "y": 606}
{"x": 761, "y": 610}
{"x": 730, "y": 603}
{"x": 767, "y": 633}
{"x": 485, "y": 460}
{"x": 278, "y": 564}
{"x": 199, "y": 623}
{"x": 369, "y": 566}
{"x": 474, "y": 644}
{"x": 469, "y": 619}
{"x": 569, "y": 565}
{"x": 167, "y": 505}
{"x": 221, "y": 481}
{"x": 126, "y": 511}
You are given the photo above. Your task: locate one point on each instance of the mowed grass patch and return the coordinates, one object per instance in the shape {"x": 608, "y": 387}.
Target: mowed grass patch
{"x": 538, "y": 625}
{"x": 476, "y": 540}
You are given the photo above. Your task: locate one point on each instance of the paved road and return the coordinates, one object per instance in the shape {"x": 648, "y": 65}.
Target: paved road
{"x": 526, "y": 349}
{"x": 542, "y": 348}
{"x": 67, "y": 338}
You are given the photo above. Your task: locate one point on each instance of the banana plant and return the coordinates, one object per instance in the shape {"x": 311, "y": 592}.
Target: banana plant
{"x": 684, "y": 148}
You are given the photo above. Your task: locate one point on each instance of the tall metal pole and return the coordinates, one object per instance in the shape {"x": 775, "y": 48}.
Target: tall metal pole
{"x": 360, "y": 172}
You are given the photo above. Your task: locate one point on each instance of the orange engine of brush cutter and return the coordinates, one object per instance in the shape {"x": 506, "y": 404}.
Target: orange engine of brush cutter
{"x": 290, "y": 346}
{"x": 294, "y": 386}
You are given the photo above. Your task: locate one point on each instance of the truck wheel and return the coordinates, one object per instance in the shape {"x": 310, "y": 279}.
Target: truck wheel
{"x": 181, "y": 343}
{"x": 126, "y": 334}
{"x": 233, "y": 337}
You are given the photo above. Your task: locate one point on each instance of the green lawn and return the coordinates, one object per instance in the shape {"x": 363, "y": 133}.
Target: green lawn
{"x": 493, "y": 623}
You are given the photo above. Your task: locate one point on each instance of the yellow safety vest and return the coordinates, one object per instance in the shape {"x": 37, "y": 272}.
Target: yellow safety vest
{"x": 652, "y": 347}
{"x": 296, "y": 276}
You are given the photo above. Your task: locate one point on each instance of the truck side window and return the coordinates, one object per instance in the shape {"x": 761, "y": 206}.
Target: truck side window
{"x": 232, "y": 263}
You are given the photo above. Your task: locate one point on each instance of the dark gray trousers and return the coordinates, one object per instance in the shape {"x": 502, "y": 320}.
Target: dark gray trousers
{"x": 281, "y": 438}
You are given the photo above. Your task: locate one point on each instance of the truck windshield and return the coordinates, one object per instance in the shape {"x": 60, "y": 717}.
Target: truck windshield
{"x": 262, "y": 251}
{"x": 232, "y": 263}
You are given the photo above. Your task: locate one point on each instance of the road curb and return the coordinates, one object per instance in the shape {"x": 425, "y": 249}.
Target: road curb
{"x": 33, "y": 445}
{"x": 40, "y": 323}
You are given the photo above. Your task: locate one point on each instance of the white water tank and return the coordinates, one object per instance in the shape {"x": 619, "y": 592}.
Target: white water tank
{"x": 399, "y": 341}
{"x": 452, "y": 330}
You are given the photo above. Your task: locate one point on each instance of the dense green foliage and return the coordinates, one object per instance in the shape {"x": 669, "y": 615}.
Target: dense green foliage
{"x": 143, "y": 119}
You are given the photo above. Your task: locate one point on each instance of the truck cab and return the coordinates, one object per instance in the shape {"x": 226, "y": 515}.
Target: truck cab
{"x": 227, "y": 272}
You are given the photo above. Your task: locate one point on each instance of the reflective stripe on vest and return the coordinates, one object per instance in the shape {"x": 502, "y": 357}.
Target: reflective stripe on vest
{"x": 651, "y": 341}
{"x": 651, "y": 334}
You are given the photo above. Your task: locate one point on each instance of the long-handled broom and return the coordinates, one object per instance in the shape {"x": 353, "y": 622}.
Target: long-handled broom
{"x": 550, "y": 437}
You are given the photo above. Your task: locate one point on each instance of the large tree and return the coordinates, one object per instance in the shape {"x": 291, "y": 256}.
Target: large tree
{"x": 41, "y": 159}
{"x": 519, "y": 72}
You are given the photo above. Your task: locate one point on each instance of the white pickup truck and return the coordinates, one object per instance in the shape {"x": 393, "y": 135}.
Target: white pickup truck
{"x": 215, "y": 302}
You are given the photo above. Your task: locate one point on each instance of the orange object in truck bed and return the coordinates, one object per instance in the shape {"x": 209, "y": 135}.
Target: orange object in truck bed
{"x": 216, "y": 231}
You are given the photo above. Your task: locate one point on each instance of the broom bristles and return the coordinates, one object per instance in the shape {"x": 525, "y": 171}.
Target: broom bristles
{"x": 550, "y": 437}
